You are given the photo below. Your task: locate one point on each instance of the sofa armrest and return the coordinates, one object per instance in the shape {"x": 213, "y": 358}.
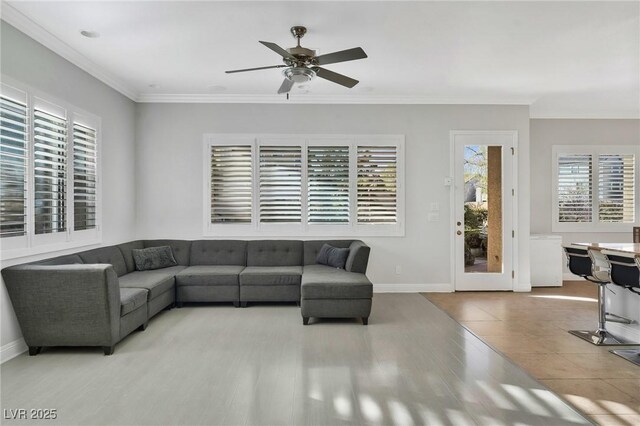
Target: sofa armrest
{"x": 65, "y": 305}
{"x": 358, "y": 257}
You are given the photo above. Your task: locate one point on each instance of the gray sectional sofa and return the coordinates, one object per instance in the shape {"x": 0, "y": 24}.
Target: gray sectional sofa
{"x": 97, "y": 297}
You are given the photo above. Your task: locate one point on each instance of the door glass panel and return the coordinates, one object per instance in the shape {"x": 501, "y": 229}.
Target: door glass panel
{"x": 483, "y": 248}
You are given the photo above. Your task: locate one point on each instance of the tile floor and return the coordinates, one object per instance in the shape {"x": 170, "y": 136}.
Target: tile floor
{"x": 531, "y": 329}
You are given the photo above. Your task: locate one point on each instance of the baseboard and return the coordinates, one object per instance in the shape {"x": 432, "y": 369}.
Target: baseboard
{"x": 631, "y": 332}
{"x": 521, "y": 287}
{"x": 12, "y": 350}
{"x": 568, "y": 276}
{"x": 412, "y": 288}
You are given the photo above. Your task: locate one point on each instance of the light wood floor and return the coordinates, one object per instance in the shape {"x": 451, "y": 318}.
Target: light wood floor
{"x": 531, "y": 329}
{"x": 412, "y": 364}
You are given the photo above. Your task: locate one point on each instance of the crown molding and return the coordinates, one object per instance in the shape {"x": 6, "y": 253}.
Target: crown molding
{"x": 324, "y": 99}
{"x": 568, "y": 114}
{"x": 23, "y": 23}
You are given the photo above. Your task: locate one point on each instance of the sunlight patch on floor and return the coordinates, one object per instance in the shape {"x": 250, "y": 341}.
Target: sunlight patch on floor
{"x": 526, "y": 400}
{"x": 496, "y": 396}
{"x": 370, "y": 409}
{"x": 560, "y": 297}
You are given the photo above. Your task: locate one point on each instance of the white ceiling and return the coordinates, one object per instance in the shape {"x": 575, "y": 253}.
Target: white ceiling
{"x": 568, "y": 59}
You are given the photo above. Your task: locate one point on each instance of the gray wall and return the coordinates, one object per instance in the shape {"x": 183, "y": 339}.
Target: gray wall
{"x": 29, "y": 62}
{"x": 549, "y": 132}
{"x": 170, "y": 176}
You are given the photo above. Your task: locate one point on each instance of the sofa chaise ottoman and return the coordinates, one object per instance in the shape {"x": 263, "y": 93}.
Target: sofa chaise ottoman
{"x": 328, "y": 292}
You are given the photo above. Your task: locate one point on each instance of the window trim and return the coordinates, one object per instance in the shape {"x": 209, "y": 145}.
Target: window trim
{"x": 595, "y": 151}
{"x": 31, "y": 244}
{"x": 257, "y": 229}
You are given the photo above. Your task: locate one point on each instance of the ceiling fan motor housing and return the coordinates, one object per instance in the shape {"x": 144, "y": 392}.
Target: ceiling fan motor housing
{"x": 302, "y": 54}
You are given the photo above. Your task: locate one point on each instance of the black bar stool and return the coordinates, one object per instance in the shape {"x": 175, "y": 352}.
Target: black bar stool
{"x": 625, "y": 272}
{"x": 583, "y": 262}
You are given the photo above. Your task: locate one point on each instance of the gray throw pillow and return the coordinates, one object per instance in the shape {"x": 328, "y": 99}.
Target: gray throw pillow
{"x": 153, "y": 258}
{"x": 332, "y": 256}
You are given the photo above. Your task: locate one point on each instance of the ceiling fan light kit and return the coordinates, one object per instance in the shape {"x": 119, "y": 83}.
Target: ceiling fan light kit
{"x": 302, "y": 64}
{"x": 299, "y": 74}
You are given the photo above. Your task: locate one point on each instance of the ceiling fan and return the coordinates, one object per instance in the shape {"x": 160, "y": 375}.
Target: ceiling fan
{"x": 302, "y": 64}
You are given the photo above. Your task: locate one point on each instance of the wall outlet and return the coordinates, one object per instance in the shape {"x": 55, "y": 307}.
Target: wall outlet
{"x": 398, "y": 269}
{"x": 435, "y": 207}
{"x": 433, "y": 217}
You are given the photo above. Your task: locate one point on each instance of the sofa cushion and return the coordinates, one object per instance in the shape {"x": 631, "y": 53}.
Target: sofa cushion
{"x": 271, "y": 275}
{"x": 358, "y": 257}
{"x": 274, "y": 253}
{"x": 218, "y": 252}
{"x": 131, "y": 299}
{"x": 332, "y": 256}
{"x": 153, "y": 258}
{"x": 128, "y": 255}
{"x": 181, "y": 249}
{"x": 204, "y": 275}
{"x": 325, "y": 282}
{"x": 157, "y": 281}
{"x": 111, "y": 255}
{"x": 312, "y": 248}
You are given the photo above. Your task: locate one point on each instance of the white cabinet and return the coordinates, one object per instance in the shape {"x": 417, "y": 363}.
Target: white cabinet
{"x": 546, "y": 260}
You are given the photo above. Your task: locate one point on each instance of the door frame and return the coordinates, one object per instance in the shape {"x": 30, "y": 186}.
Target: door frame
{"x": 514, "y": 201}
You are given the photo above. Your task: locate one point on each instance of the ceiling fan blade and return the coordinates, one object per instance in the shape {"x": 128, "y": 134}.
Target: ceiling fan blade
{"x": 255, "y": 69}
{"x": 285, "y": 87}
{"x": 342, "y": 56}
{"x": 335, "y": 77}
{"x": 279, "y": 50}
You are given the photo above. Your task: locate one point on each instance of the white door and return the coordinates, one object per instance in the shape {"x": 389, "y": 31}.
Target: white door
{"x": 484, "y": 209}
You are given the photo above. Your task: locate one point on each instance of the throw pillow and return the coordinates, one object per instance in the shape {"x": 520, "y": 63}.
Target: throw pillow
{"x": 332, "y": 256}
{"x": 153, "y": 258}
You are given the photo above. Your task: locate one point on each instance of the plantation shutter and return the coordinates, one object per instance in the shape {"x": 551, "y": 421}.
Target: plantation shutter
{"x": 84, "y": 177}
{"x": 575, "y": 199}
{"x": 328, "y": 184}
{"x": 280, "y": 184}
{"x": 50, "y": 172}
{"x": 231, "y": 184}
{"x": 13, "y": 167}
{"x": 377, "y": 184}
{"x": 616, "y": 183}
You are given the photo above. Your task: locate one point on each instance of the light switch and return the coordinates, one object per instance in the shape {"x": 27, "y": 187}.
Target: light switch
{"x": 435, "y": 207}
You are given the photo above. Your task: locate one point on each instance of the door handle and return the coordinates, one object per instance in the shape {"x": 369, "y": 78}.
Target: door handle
{"x": 459, "y": 232}
{"x": 459, "y": 223}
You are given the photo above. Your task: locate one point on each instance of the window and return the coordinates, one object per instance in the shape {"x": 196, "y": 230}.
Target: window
{"x": 49, "y": 172}
{"x": 231, "y": 184}
{"x": 616, "y": 188}
{"x": 575, "y": 198}
{"x": 13, "y": 167}
{"x": 49, "y": 195}
{"x": 280, "y": 184}
{"x": 85, "y": 177}
{"x": 377, "y": 184}
{"x": 328, "y": 184}
{"x": 595, "y": 188}
{"x": 303, "y": 185}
